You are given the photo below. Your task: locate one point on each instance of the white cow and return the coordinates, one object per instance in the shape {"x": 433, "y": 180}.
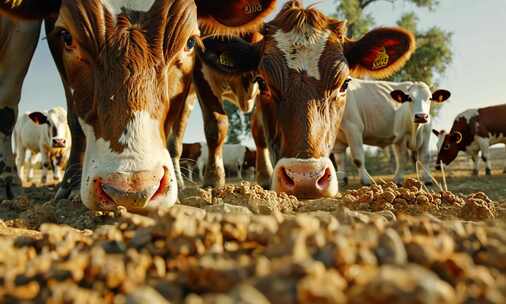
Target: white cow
{"x": 46, "y": 133}
{"x": 381, "y": 113}
{"x": 233, "y": 158}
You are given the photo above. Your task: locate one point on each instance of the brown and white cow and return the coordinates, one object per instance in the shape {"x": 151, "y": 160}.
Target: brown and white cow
{"x": 473, "y": 130}
{"x": 303, "y": 64}
{"x": 213, "y": 88}
{"x": 125, "y": 66}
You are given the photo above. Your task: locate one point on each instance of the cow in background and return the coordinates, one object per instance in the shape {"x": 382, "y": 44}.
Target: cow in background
{"x": 46, "y": 133}
{"x": 214, "y": 87}
{"x": 381, "y": 113}
{"x": 126, "y": 67}
{"x": 303, "y": 65}
{"x": 473, "y": 130}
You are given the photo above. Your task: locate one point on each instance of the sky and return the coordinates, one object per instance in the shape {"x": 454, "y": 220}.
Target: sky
{"x": 476, "y": 77}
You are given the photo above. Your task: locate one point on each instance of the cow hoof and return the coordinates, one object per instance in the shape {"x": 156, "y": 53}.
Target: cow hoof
{"x": 428, "y": 183}
{"x": 476, "y": 173}
{"x": 214, "y": 180}
{"x": 345, "y": 180}
{"x": 488, "y": 172}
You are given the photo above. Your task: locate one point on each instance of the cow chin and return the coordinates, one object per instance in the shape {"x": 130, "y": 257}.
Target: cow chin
{"x": 305, "y": 178}
{"x": 139, "y": 178}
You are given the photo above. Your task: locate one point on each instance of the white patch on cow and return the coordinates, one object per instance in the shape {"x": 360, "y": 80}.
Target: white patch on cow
{"x": 302, "y": 49}
{"x": 145, "y": 150}
{"x": 116, "y": 6}
{"x": 468, "y": 114}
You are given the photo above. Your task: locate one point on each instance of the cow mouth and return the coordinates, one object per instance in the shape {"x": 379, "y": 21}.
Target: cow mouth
{"x": 105, "y": 195}
{"x": 58, "y": 145}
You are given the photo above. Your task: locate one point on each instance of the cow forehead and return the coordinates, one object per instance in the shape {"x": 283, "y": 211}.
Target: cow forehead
{"x": 302, "y": 48}
{"x": 118, "y": 6}
{"x": 420, "y": 91}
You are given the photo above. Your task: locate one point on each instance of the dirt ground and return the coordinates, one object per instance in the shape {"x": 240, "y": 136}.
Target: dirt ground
{"x": 242, "y": 244}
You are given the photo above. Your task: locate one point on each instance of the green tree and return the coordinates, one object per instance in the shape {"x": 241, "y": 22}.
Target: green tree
{"x": 433, "y": 54}
{"x": 239, "y": 124}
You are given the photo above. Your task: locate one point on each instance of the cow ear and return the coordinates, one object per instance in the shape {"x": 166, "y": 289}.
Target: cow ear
{"x": 38, "y": 118}
{"x": 233, "y": 16}
{"x": 441, "y": 95}
{"x": 30, "y": 9}
{"x": 456, "y": 137}
{"x": 380, "y": 53}
{"x": 230, "y": 55}
{"x": 400, "y": 96}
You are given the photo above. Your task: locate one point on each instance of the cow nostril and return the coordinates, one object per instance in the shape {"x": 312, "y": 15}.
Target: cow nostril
{"x": 164, "y": 184}
{"x": 324, "y": 181}
{"x": 286, "y": 179}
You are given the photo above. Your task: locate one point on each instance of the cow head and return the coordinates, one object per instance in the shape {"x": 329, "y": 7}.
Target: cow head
{"x": 303, "y": 66}
{"x": 56, "y": 125}
{"x": 121, "y": 62}
{"x": 459, "y": 137}
{"x": 239, "y": 86}
{"x": 419, "y": 98}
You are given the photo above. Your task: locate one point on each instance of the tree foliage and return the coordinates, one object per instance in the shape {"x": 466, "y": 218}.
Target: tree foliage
{"x": 239, "y": 124}
{"x": 433, "y": 54}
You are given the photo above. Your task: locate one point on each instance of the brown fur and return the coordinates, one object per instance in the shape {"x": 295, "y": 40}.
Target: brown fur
{"x": 489, "y": 121}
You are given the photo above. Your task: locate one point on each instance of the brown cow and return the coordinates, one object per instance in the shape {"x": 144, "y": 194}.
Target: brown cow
{"x": 302, "y": 65}
{"x": 126, "y": 66}
{"x": 213, "y": 88}
{"x": 473, "y": 130}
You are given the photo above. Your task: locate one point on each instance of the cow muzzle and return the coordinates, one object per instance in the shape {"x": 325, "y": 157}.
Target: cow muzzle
{"x": 305, "y": 178}
{"x": 133, "y": 190}
{"x": 58, "y": 143}
{"x": 421, "y": 118}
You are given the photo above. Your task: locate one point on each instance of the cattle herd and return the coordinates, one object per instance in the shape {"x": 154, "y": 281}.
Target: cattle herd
{"x": 133, "y": 70}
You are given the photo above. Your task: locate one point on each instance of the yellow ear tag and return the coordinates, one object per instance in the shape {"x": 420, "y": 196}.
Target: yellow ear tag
{"x": 226, "y": 60}
{"x": 14, "y": 3}
{"x": 382, "y": 60}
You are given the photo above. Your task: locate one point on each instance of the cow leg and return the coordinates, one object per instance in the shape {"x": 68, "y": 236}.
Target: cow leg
{"x": 45, "y": 166}
{"x": 340, "y": 157}
{"x": 179, "y": 116}
{"x": 20, "y": 162}
{"x": 30, "y": 164}
{"x": 356, "y": 144}
{"x": 263, "y": 165}
{"x": 476, "y": 163}
{"x": 485, "y": 154}
{"x": 424, "y": 156}
{"x": 216, "y": 128}
{"x": 72, "y": 178}
{"x": 10, "y": 183}
{"x": 400, "y": 161}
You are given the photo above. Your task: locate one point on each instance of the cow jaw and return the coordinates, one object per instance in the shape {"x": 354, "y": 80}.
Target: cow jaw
{"x": 143, "y": 170}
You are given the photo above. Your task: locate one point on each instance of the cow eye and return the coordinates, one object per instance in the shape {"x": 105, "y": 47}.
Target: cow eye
{"x": 446, "y": 147}
{"x": 261, "y": 84}
{"x": 345, "y": 85}
{"x": 66, "y": 37}
{"x": 190, "y": 44}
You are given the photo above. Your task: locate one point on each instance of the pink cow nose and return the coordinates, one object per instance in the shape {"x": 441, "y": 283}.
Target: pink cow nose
{"x": 306, "y": 178}
{"x": 59, "y": 143}
{"x": 133, "y": 190}
{"x": 421, "y": 118}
